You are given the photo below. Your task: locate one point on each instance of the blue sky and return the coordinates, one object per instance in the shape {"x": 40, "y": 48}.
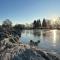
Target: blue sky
{"x": 25, "y": 11}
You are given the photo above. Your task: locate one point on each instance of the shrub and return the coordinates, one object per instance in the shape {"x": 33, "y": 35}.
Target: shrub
{"x": 11, "y": 40}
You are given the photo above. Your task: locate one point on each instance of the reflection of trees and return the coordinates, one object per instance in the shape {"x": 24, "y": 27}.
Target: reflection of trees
{"x": 44, "y": 34}
{"x": 36, "y": 32}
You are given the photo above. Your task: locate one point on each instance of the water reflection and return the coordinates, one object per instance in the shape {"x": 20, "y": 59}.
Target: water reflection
{"x": 54, "y": 37}
{"x": 49, "y": 39}
{"x": 36, "y": 33}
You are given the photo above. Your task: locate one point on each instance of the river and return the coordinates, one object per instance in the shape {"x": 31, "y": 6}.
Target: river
{"x": 49, "y": 39}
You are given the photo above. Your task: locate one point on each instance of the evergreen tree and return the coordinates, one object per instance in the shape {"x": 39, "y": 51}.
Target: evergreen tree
{"x": 38, "y": 23}
{"x": 34, "y": 24}
{"x": 44, "y": 24}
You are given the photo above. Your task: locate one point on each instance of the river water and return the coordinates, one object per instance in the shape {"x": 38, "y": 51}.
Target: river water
{"x": 49, "y": 39}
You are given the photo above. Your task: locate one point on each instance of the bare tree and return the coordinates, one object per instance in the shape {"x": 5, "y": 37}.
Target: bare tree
{"x": 7, "y": 23}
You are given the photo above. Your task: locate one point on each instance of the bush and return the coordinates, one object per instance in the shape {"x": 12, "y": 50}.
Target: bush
{"x": 8, "y": 45}
{"x": 34, "y": 43}
{"x": 11, "y": 40}
{"x": 31, "y": 42}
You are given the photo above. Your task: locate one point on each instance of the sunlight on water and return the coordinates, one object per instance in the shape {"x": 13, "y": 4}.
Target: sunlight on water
{"x": 49, "y": 39}
{"x": 54, "y": 38}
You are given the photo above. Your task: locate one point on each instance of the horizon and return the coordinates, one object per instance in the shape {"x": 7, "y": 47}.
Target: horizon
{"x": 26, "y": 11}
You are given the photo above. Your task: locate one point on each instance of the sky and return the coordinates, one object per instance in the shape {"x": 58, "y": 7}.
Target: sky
{"x": 26, "y": 11}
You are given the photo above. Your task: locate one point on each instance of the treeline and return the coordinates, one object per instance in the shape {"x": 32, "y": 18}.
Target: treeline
{"x": 7, "y": 25}
{"x": 46, "y": 24}
{"x": 38, "y": 24}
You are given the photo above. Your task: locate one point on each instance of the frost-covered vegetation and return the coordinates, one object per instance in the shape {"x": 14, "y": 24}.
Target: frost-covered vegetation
{"x": 12, "y": 49}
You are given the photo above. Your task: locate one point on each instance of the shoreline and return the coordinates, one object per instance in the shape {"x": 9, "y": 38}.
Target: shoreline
{"x": 23, "y": 51}
{"x": 41, "y": 28}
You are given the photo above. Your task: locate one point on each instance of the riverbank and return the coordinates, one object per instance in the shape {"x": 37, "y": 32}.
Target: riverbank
{"x": 41, "y": 28}
{"x": 19, "y": 51}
